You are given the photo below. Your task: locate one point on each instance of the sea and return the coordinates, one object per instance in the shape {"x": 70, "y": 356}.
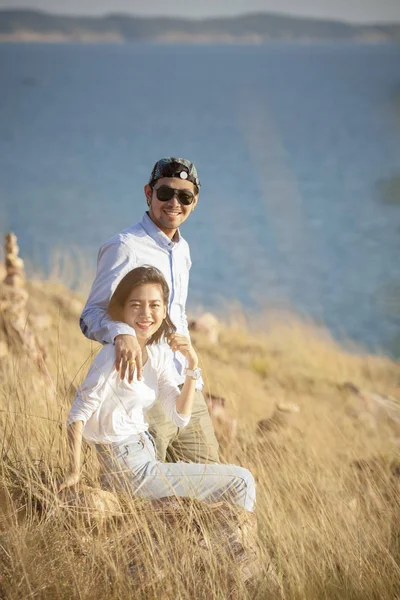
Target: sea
{"x": 297, "y": 148}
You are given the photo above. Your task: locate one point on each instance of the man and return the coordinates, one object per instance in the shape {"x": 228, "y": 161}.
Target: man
{"x": 171, "y": 195}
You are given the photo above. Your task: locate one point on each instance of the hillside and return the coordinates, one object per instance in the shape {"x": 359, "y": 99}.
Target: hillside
{"x": 34, "y": 26}
{"x": 327, "y": 464}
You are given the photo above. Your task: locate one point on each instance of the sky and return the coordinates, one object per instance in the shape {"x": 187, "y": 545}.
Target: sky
{"x": 358, "y": 11}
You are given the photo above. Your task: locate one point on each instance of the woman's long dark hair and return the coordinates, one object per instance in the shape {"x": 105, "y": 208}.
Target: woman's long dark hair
{"x": 140, "y": 276}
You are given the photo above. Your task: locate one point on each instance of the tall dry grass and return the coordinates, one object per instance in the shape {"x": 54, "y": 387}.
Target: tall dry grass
{"x": 328, "y": 494}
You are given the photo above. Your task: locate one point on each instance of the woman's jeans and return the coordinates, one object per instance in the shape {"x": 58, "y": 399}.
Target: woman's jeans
{"x": 132, "y": 465}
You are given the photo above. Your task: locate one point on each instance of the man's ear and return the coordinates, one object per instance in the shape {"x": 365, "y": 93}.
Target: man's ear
{"x": 148, "y": 192}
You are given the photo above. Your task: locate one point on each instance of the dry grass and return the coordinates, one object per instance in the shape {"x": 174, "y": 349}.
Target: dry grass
{"x": 328, "y": 495}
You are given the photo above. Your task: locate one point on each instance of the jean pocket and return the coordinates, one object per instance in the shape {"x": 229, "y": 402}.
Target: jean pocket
{"x": 152, "y": 442}
{"x": 134, "y": 447}
{"x": 127, "y": 449}
{"x": 122, "y": 452}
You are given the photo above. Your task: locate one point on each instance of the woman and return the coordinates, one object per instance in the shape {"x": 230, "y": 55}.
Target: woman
{"x": 110, "y": 413}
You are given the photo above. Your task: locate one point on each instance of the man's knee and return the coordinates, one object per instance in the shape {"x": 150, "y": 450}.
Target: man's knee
{"x": 162, "y": 430}
{"x": 194, "y": 443}
{"x": 161, "y": 445}
{"x": 194, "y": 447}
{"x": 201, "y": 422}
{"x": 200, "y": 408}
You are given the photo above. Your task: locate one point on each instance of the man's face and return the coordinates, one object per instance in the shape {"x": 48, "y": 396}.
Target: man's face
{"x": 170, "y": 215}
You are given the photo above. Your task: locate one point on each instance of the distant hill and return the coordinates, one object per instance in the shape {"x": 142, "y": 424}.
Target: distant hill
{"x": 35, "y": 26}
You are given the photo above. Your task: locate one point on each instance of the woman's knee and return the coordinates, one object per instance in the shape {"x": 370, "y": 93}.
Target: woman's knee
{"x": 245, "y": 475}
{"x": 248, "y": 484}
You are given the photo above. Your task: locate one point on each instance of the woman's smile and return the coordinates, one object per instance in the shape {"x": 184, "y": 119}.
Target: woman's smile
{"x": 145, "y": 310}
{"x": 144, "y": 325}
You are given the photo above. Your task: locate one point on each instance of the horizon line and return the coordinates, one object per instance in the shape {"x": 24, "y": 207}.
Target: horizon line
{"x": 194, "y": 18}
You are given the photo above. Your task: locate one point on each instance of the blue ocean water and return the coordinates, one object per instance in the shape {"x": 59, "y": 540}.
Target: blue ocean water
{"x": 291, "y": 142}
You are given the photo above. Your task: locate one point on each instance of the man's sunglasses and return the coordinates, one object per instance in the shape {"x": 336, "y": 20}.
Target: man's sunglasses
{"x": 165, "y": 193}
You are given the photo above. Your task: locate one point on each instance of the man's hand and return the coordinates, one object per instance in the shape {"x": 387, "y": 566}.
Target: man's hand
{"x": 128, "y": 355}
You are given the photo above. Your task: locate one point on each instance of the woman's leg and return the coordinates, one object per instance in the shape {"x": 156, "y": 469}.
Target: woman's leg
{"x": 210, "y": 482}
{"x": 133, "y": 466}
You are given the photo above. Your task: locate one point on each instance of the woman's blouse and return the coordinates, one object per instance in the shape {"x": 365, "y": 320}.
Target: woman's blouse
{"x": 112, "y": 410}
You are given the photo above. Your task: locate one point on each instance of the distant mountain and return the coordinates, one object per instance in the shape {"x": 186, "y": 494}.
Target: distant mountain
{"x": 35, "y": 26}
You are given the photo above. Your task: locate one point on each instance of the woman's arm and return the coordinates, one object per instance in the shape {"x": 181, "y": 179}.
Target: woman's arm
{"x": 87, "y": 400}
{"x": 90, "y": 393}
{"x": 177, "y": 404}
{"x": 182, "y": 344}
{"x": 74, "y": 448}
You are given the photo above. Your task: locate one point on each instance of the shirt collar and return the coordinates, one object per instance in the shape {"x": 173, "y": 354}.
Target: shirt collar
{"x": 157, "y": 235}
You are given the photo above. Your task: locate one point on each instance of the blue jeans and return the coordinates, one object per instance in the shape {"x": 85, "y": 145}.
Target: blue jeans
{"x": 132, "y": 465}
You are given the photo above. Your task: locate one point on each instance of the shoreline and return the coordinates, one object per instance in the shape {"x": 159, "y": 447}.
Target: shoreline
{"x": 171, "y": 38}
{"x": 92, "y": 40}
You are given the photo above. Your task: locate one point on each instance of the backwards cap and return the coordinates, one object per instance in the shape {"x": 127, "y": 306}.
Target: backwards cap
{"x": 174, "y": 167}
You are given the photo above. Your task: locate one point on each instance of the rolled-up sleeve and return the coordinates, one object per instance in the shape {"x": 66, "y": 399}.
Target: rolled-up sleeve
{"x": 89, "y": 395}
{"x": 168, "y": 391}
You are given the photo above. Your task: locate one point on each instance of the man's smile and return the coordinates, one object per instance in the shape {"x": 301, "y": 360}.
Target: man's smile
{"x": 172, "y": 211}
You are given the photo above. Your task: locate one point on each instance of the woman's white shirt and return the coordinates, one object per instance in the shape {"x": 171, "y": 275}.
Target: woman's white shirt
{"x": 112, "y": 409}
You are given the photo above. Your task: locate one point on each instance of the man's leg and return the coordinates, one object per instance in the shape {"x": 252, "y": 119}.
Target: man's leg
{"x": 196, "y": 442}
{"x": 161, "y": 428}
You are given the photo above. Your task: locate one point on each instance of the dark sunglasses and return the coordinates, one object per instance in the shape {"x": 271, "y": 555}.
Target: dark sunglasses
{"x": 165, "y": 193}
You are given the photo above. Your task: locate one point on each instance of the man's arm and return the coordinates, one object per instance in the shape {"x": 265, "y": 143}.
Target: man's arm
{"x": 114, "y": 261}
{"x": 184, "y": 329}
{"x": 184, "y": 324}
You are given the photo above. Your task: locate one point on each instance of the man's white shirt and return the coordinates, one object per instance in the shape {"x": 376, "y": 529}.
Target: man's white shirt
{"x": 139, "y": 245}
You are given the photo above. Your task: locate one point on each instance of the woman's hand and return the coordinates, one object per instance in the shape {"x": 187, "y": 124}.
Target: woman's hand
{"x": 70, "y": 480}
{"x": 182, "y": 344}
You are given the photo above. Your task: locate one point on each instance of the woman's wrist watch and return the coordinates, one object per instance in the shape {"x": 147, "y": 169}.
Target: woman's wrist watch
{"x": 193, "y": 373}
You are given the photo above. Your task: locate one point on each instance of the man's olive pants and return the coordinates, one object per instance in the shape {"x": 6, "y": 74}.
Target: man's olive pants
{"x": 194, "y": 443}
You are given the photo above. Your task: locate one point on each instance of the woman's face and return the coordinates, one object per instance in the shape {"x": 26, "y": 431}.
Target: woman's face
{"x": 145, "y": 310}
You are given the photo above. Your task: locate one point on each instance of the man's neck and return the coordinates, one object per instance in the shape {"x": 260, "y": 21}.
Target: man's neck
{"x": 170, "y": 233}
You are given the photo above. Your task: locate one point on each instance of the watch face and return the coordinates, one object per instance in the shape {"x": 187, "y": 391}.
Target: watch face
{"x": 194, "y": 373}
